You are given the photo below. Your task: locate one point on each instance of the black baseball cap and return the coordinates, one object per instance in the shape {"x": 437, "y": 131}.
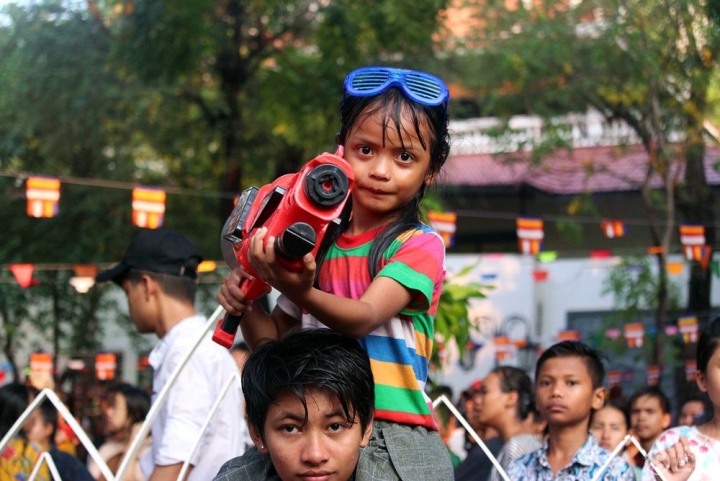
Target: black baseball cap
{"x": 164, "y": 251}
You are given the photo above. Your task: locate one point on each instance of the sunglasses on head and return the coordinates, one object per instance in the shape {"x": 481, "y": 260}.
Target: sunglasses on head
{"x": 421, "y": 87}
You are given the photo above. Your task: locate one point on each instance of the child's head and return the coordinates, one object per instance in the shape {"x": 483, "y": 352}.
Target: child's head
{"x": 42, "y": 424}
{"x": 404, "y": 100}
{"x": 610, "y": 424}
{"x": 394, "y": 129}
{"x": 310, "y": 400}
{"x": 694, "y": 410}
{"x": 14, "y": 399}
{"x": 649, "y": 413}
{"x": 569, "y": 383}
{"x": 126, "y": 405}
{"x": 508, "y": 390}
{"x": 708, "y": 361}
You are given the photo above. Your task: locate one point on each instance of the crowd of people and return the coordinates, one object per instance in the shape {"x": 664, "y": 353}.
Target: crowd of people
{"x": 334, "y": 378}
{"x": 565, "y": 425}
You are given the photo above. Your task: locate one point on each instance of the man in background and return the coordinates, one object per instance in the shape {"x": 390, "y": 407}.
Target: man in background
{"x": 159, "y": 277}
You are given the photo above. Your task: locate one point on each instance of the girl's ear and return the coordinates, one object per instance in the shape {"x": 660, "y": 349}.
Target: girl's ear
{"x": 429, "y": 178}
{"x": 257, "y": 439}
{"x": 701, "y": 380}
{"x": 511, "y": 399}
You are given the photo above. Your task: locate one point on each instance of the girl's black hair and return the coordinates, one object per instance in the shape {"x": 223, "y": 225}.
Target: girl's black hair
{"x": 516, "y": 380}
{"x": 707, "y": 344}
{"x": 391, "y": 106}
{"x": 137, "y": 401}
{"x": 618, "y": 406}
{"x": 14, "y": 399}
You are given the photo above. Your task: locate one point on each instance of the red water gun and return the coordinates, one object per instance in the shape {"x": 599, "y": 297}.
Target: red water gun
{"x": 298, "y": 210}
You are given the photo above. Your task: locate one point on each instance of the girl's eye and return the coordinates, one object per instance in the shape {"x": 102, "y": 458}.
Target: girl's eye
{"x": 572, "y": 383}
{"x": 365, "y": 150}
{"x": 544, "y": 383}
{"x": 406, "y": 157}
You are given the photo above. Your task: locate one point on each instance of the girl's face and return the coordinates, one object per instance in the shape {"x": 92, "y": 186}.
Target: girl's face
{"x": 609, "y": 427}
{"x": 116, "y": 415}
{"x": 709, "y": 380}
{"x": 390, "y": 167}
{"x": 492, "y": 402}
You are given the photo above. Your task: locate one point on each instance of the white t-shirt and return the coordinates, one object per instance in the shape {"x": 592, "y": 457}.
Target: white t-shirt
{"x": 189, "y": 401}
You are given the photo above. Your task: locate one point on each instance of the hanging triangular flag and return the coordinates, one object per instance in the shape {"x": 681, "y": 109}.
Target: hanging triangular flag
{"x": 653, "y": 374}
{"x": 23, "y": 274}
{"x": 690, "y": 370}
{"x": 612, "y": 228}
{"x": 612, "y": 333}
{"x": 688, "y": 328}
{"x": 43, "y": 196}
{"x": 530, "y": 235}
{"x": 635, "y": 334}
{"x": 675, "y": 268}
{"x": 655, "y": 250}
{"x": 715, "y": 268}
{"x": 699, "y": 253}
{"x": 445, "y": 223}
{"x": 540, "y": 275}
{"x": 568, "y": 335}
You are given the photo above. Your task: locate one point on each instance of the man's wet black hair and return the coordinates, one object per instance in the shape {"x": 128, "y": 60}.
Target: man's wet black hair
{"x": 308, "y": 360}
{"x": 591, "y": 356}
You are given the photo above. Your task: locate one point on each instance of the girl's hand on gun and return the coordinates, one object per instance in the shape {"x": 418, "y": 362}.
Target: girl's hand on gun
{"x": 263, "y": 259}
{"x": 231, "y": 296}
{"x": 675, "y": 463}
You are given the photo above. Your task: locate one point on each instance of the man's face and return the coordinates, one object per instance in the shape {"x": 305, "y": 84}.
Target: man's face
{"x": 137, "y": 297}
{"x": 647, "y": 418}
{"x": 327, "y": 447}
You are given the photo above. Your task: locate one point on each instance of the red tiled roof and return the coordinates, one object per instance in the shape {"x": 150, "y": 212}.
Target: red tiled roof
{"x": 590, "y": 169}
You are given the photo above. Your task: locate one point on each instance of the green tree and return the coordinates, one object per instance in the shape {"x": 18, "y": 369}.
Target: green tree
{"x": 648, "y": 64}
{"x": 263, "y": 77}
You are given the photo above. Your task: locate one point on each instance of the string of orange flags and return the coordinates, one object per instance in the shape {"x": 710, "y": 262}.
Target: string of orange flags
{"x": 634, "y": 333}
{"x": 148, "y": 210}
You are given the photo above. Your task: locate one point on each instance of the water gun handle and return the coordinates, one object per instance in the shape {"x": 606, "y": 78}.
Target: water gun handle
{"x": 226, "y": 329}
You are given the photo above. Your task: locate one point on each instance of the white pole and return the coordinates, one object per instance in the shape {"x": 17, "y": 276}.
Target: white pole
{"x": 466, "y": 425}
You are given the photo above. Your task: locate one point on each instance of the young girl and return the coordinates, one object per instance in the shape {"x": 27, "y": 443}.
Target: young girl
{"x": 127, "y": 407}
{"x": 506, "y": 401}
{"x": 693, "y": 452}
{"x": 380, "y": 280}
{"x": 20, "y": 455}
{"x": 610, "y": 424}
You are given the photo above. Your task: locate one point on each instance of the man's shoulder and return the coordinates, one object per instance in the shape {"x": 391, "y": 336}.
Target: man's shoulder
{"x": 251, "y": 466}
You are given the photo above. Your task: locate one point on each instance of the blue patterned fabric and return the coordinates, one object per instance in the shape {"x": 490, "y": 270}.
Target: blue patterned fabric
{"x": 585, "y": 465}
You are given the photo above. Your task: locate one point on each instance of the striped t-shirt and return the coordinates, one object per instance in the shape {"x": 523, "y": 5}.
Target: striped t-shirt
{"x": 400, "y": 349}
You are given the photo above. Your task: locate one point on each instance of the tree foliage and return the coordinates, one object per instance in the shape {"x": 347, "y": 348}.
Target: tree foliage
{"x": 649, "y": 64}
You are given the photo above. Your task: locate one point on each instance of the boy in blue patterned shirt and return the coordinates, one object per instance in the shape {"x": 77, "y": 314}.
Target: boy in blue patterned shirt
{"x": 568, "y": 387}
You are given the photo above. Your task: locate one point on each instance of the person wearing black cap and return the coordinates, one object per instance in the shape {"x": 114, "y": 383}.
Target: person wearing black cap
{"x": 159, "y": 276}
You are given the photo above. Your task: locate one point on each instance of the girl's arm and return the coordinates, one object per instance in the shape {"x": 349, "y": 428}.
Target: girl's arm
{"x": 383, "y": 299}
